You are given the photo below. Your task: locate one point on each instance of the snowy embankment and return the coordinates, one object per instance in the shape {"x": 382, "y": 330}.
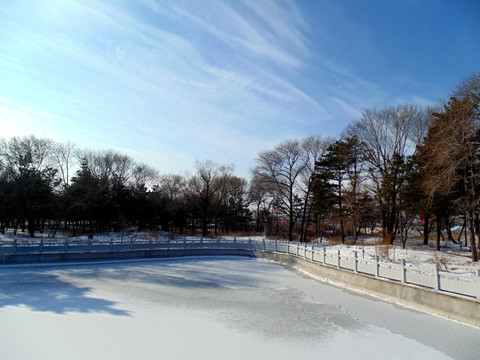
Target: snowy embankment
{"x": 208, "y": 308}
{"x": 454, "y": 260}
{"x": 453, "y": 269}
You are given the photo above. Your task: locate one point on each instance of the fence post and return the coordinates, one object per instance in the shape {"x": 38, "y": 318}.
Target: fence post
{"x": 275, "y": 245}
{"x": 324, "y": 255}
{"x": 404, "y": 280}
{"x": 131, "y": 243}
{"x": 249, "y": 243}
{"x": 14, "y": 246}
{"x": 312, "y": 253}
{"x": 89, "y": 244}
{"x": 184, "y": 242}
{"x": 305, "y": 251}
{"x": 234, "y": 242}
{"x": 436, "y": 278}
{"x": 41, "y": 245}
{"x": 338, "y": 259}
{"x": 355, "y": 259}
{"x": 377, "y": 267}
{"x": 263, "y": 244}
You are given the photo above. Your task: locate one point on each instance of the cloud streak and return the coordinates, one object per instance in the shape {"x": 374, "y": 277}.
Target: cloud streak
{"x": 118, "y": 70}
{"x": 178, "y": 80}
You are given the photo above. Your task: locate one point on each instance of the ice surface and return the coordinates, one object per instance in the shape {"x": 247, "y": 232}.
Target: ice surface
{"x": 208, "y": 308}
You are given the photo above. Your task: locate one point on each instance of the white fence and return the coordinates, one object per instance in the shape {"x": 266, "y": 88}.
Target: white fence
{"x": 463, "y": 285}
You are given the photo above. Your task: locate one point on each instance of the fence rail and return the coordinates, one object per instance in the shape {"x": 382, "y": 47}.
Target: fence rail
{"x": 462, "y": 285}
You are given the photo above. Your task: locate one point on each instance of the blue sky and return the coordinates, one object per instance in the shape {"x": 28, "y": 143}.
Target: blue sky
{"x": 169, "y": 82}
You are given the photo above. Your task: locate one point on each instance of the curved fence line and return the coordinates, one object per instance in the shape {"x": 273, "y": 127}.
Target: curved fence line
{"x": 462, "y": 285}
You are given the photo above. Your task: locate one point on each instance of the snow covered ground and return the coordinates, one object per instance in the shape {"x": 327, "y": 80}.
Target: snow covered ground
{"x": 208, "y": 308}
{"x": 421, "y": 257}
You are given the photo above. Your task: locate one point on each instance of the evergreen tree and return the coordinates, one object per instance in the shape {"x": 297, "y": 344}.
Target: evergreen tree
{"x": 333, "y": 167}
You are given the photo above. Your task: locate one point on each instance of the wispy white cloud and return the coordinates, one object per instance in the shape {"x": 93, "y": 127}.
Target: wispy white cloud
{"x": 118, "y": 70}
{"x": 285, "y": 22}
{"x": 247, "y": 34}
{"x": 221, "y": 79}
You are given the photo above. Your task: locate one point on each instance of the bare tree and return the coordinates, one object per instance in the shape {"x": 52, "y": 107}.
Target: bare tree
{"x": 451, "y": 152}
{"x": 109, "y": 166}
{"x": 206, "y": 189}
{"x": 260, "y": 198}
{"x": 65, "y": 159}
{"x": 470, "y": 88}
{"x": 27, "y": 152}
{"x": 171, "y": 192}
{"x": 386, "y": 137}
{"x": 172, "y": 186}
{"x": 279, "y": 171}
{"x": 234, "y": 210}
{"x": 144, "y": 177}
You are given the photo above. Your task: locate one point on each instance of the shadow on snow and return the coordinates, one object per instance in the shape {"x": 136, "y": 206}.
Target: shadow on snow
{"x": 182, "y": 273}
{"x": 41, "y": 291}
{"x": 44, "y": 289}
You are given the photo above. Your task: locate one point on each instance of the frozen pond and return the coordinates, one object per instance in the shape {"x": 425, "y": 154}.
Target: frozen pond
{"x": 208, "y": 308}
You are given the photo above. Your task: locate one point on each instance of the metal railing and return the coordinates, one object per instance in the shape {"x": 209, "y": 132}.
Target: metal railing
{"x": 432, "y": 278}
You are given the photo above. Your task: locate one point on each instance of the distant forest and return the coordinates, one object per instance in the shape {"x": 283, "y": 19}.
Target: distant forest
{"x": 398, "y": 169}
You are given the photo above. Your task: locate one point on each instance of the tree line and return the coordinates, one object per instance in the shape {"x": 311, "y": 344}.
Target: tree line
{"x": 398, "y": 168}
{"x": 109, "y": 191}
{"x": 394, "y": 168}
{"x": 406, "y": 167}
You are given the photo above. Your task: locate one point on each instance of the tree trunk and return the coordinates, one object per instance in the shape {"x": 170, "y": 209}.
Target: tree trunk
{"x": 461, "y": 233}
{"x": 426, "y": 230}
{"x": 388, "y": 227}
{"x": 257, "y": 225}
{"x": 291, "y": 222}
{"x": 321, "y": 230}
{"x": 31, "y": 227}
{"x": 291, "y": 225}
{"x": 472, "y": 236}
{"x": 477, "y": 231}
{"x": 302, "y": 227}
{"x": 355, "y": 234}
{"x": 439, "y": 234}
{"x": 204, "y": 227}
{"x": 15, "y": 228}
{"x": 307, "y": 224}
{"x": 449, "y": 230}
{"x": 392, "y": 222}
{"x": 340, "y": 210}
{"x": 342, "y": 230}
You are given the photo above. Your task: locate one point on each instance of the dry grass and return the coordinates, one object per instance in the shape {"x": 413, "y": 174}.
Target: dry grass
{"x": 244, "y": 234}
{"x": 334, "y": 239}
